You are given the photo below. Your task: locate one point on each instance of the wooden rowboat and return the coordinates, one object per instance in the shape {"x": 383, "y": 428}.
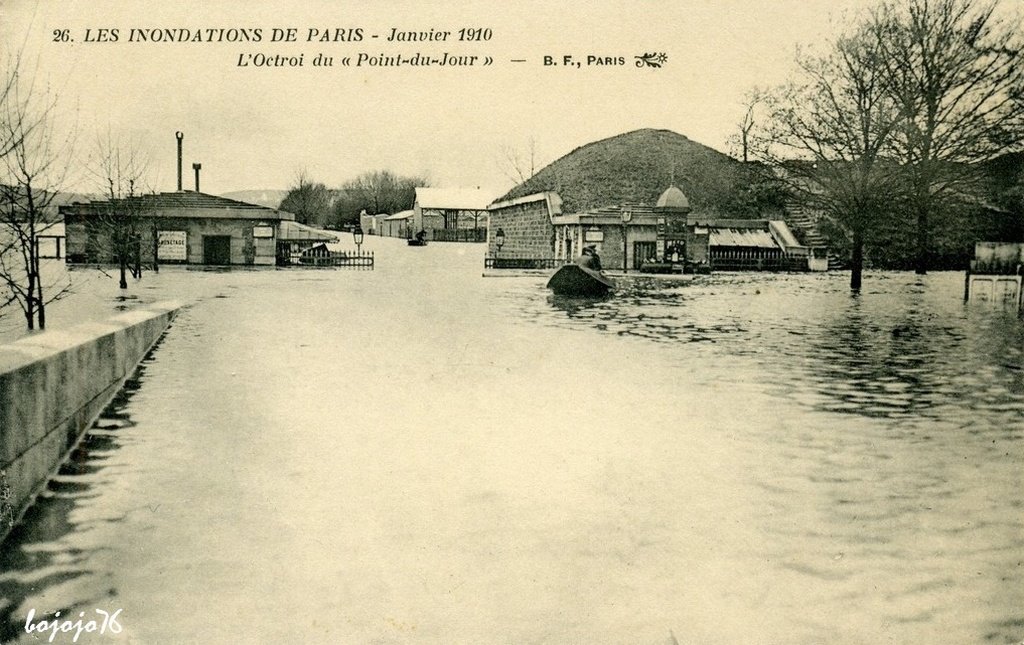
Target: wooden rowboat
{"x": 575, "y": 280}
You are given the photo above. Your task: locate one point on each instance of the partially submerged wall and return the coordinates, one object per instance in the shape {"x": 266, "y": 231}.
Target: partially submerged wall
{"x": 53, "y": 385}
{"x": 526, "y": 224}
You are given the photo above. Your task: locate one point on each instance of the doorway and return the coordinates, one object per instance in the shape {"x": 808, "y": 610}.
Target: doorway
{"x": 643, "y": 252}
{"x": 217, "y": 249}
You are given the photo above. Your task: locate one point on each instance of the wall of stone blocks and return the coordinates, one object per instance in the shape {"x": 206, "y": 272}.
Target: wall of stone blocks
{"x": 54, "y": 384}
{"x": 528, "y": 231}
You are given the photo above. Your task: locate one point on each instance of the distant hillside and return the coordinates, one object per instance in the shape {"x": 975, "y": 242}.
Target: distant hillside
{"x": 55, "y": 200}
{"x": 268, "y": 198}
{"x": 636, "y": 167}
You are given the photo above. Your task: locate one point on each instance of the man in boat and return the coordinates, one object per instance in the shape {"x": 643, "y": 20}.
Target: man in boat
{"x": 590, "y": 259}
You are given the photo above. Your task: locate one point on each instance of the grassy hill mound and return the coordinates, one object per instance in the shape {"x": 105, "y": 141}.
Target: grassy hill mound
{"x": 636, "y": 167}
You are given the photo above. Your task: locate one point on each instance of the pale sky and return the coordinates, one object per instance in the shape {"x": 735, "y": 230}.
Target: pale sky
{"x": 253, "y": 128}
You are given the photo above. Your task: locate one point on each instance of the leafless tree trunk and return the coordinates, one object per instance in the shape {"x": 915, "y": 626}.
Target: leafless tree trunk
{"x": 121, "y": 168}
{"x": 826, "y": 131}
{"x": 33, "y": 166}
{"x": 741, "y": 141}
{"x": 958, "y": 74}
{"x": 519, "y": 165}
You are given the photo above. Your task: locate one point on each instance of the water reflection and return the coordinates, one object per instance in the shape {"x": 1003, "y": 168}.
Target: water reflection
{"x": 909, "y": 441}
{"x": 655, "y": 310}
{"x": 440, "y": 458}
{"x": 574, "y": 305}
{"x": 887, "y": 353}
{"x": 45, "y": 554}
{"x": 913, "y": 362}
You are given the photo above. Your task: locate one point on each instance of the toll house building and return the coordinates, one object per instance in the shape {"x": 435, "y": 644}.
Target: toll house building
{"x": 187, "y": 227}
{"x": 665, "y": 236}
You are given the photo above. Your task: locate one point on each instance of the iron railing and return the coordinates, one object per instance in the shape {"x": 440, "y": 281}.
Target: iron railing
{"x": 523, "y": 263}
{"x": 757, "y": 260}
{"x": 361, "y": 260}
{"x": 459, "y": 235}
{"x": 719, "y": 261}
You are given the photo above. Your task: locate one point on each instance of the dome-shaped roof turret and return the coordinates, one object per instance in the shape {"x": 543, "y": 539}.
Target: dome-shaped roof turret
{"x": 673, "y": 201}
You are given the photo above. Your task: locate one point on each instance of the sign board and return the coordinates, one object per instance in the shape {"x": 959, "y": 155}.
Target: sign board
{"x": 593, "y": 235}
{"x": 171, "y": 245}
{"x": 263, "y": 231}
{"x": 1004, "y": 290}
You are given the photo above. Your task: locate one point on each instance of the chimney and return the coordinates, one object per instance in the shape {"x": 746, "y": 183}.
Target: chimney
{"x": 179, "y": 136}
{"x": 196, "y": 167}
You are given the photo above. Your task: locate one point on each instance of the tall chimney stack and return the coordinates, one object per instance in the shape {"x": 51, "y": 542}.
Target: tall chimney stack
{"x": 179, "y": 136}
{"x": 196, "y": 167}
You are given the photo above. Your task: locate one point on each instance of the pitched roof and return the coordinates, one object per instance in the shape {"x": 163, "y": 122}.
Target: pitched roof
{"x": 747, "y": 237}
{"x": 289, "y": 231}
{"x": 472, "y": 199}
{"x": 159, "y": 203}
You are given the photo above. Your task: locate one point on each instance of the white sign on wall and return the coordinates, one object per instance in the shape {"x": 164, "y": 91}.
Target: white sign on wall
{"x": 171, "y": 245}
{"x": 263, "y": 231}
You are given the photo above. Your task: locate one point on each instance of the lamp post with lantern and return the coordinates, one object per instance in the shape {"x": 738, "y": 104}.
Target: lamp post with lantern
{"x": 626, "y": 217}
{"x": 499, "y": 241}
{"x": 357, "y": 237}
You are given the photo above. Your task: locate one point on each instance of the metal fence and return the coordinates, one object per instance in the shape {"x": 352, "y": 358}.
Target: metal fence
{"x": 522, "y": 263}
{"x": 757, "y": 261}
{"x": 720, "y": 261}
{"x": 459, "y": 235}
{"x": 361, "y": 261}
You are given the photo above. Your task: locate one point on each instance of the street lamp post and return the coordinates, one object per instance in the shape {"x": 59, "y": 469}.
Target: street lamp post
{"x": 499, "y": 241}
{"x": 626, "y": 217}
{"x": 357, "y": 237}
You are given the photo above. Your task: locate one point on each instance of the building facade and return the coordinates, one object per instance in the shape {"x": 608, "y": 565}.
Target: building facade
{"x": 526, "y": 226}
{"x": 184, "y": 227}
{"x": 663, "y": 237}
{"x": 384, "y": 225}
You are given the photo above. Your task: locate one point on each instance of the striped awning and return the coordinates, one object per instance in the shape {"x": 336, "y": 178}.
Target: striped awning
{"x": 742, "y": 237}
{"x": 289, "y": 231}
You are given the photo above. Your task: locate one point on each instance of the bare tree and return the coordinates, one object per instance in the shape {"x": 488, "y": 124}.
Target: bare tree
{"x": 957, "y": 72}
{"x": 826, "y": 132}
{"x": 33, "y": 168}
{"x": 310, "y": 201}
{"x": 376, "y": 192}
{"x": 740, "y": 142}
{"x": 519, "y": 165}
{"x": 121, "y": 169}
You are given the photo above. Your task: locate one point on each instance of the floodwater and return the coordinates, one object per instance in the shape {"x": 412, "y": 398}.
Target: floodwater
{"x": 421, "y": 455}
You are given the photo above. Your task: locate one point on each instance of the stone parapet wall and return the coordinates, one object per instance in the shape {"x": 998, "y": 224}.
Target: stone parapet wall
{"x": 53, "y": 385}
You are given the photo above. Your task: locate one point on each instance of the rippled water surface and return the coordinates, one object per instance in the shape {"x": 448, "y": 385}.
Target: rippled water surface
{"x": 421, "y": 455}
